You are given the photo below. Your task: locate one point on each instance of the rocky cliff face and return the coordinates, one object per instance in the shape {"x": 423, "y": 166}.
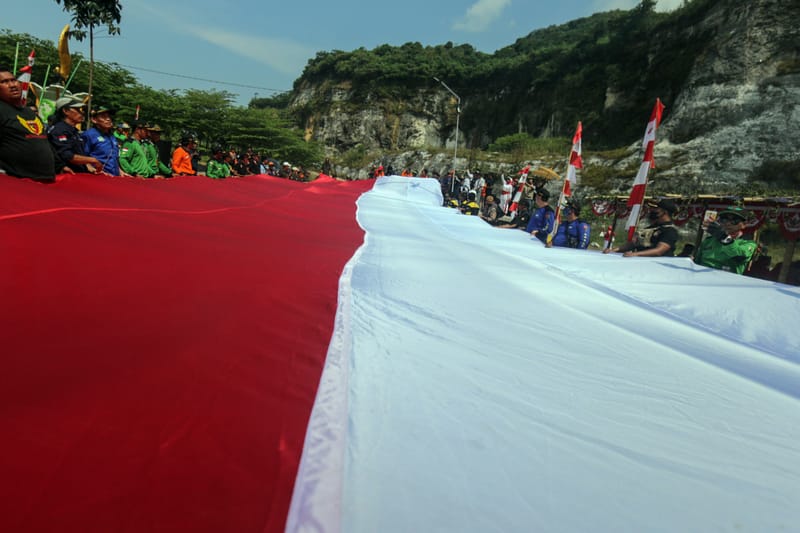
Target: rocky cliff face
{"x": 740, "y": 107}
{"x": 738, "y": 110}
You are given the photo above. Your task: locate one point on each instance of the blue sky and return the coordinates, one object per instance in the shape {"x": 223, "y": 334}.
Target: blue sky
{"x": 266, "y": 45}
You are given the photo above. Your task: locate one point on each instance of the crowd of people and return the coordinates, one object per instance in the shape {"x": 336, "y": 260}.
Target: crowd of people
{"x": 724, "y": 246}
{"x": 31, "y": 149}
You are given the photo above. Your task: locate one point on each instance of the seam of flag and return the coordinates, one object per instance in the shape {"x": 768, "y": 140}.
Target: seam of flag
{"x": 317, "y": 496}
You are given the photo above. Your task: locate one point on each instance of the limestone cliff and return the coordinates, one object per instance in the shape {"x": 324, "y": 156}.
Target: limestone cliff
{"x": 730, "y": 80}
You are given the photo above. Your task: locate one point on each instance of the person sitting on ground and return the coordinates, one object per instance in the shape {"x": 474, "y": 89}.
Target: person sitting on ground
{"x": 656, "y": 240}
{"x": 217, "y": 167}
{"x": 132, "y": 157}
{"x": 66, "y": 139}
{"x": 470, "y": 205}
{"x": 544, "y": 218}
{"x": 491, "y": 211}
{"x": 518, "y": 219}
{"x": 25, "y": 151}
{"x": 99, "y": 141}
{"x": 572, "y": 232}
{"x": 723, "y": 247}
{"x": 182, "y": 157}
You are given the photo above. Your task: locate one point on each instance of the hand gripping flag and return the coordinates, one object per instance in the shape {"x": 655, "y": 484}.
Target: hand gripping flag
{"x": 575, "y": 162}
{"x": 520, "y": 187}
{"x": 640, "y": 183}
{"x": 25, "y": 77}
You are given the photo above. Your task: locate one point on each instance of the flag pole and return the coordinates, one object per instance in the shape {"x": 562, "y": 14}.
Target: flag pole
{"x": 574, "y": 162}
{"x": 73, "y": 74}
{"x": 636, "y": 198}
{"x": 16, "y": 60}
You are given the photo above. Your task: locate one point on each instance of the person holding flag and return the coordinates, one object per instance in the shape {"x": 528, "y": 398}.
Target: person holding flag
{"x": 543, "y": 219}
{"x": 575, "y": 162}
{"x": 658, "y": 238}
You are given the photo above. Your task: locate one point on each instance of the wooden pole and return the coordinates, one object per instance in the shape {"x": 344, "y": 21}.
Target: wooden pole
{"x": 788, "y": 255}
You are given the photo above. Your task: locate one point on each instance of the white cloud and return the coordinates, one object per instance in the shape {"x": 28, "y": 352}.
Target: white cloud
{"x": 283, "y": 55}
{"x": 608, "y": 5}
{"x": 480, "y": 15}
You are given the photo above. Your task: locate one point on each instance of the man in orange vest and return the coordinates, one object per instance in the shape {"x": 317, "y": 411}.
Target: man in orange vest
{"x": 182, "y": 158}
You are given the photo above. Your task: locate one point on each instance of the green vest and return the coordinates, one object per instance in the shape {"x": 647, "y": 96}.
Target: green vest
{"x": 732, "y": 257}
{"x": 133, "y": 160}
{"x": 217, "y": 169}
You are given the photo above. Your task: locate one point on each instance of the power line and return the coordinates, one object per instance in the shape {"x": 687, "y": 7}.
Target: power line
{"x": 230, "y": 83}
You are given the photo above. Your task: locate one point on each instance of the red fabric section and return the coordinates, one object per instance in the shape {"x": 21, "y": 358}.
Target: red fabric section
{"x": 162, "y": 341}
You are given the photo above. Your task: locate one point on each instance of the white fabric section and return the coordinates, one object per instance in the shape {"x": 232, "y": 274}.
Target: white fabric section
{"x": 641, "y": 176}
{"x": 649, "y": 134}
{"x": 316, "y": 499}
{"x": 633, "y": 216}
{"x": 572, "y": 175}
{"x": 572, "y": 391}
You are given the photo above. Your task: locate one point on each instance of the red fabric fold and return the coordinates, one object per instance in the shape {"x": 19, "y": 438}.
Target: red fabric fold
{"x": 162, "y": 342}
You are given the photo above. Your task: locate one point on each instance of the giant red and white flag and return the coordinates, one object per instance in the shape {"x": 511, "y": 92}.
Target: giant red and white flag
{"x": 261, "y": 355}
{"x": 636, "y": 197}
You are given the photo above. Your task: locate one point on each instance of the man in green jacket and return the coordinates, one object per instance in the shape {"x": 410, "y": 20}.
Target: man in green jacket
{"x": 132, "y": 157}
{"x": 724, "y": 248}
{"x": 217, "y": 167}
{"x": 150, "y": 146}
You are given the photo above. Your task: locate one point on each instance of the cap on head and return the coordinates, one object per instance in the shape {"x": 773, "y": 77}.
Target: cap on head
{"x": 667, "y": 205}
{"x": 124, "y": 126}
{"x": 575, "y": 205}
{"x": 736, "y": 213}
{"x": 155, "y": 128}
{"x": 544, "y": 194}
{"x": 68, "y": 102}
{"x": 99, "y": 110}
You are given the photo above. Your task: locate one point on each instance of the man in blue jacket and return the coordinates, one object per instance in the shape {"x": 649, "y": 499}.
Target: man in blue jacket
{"x": 572, "y": 232}
{"x": 99, "y": 140}
{"x": 544, "y": 218}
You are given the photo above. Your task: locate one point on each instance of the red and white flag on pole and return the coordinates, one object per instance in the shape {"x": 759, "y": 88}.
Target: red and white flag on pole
{"x": 136, "y": 116}
{"x": 640, "y": 183}
{"x": 575, "y": 162}
{"x": 25, "y": 77}
{"x": 523, "y": 178}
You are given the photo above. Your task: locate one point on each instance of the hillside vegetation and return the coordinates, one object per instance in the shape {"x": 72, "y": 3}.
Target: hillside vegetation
{"x": 605, "y": 70}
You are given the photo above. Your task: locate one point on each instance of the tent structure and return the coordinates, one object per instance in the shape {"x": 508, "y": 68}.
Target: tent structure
{"x": 191, "y": 355}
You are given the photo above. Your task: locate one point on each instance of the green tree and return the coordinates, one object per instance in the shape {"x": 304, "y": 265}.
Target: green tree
{"x": 87, "y": 14}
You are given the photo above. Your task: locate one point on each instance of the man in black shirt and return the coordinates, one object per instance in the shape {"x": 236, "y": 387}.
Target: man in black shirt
{"x": 24, "y": 150}
{"x": 657, "y": 239}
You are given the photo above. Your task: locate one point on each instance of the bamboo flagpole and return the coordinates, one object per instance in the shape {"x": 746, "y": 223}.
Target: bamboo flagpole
{"x": 575, "y": 162}
{"x": 640, "y": 183}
